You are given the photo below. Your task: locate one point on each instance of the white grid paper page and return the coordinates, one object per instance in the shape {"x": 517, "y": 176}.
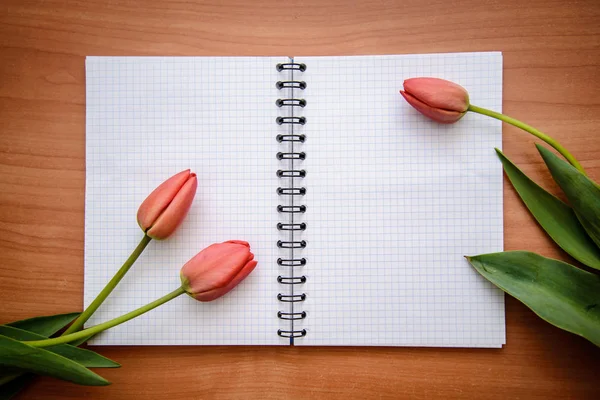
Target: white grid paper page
{"x": 147, "y": 119}
{"x": 395, "y": 202}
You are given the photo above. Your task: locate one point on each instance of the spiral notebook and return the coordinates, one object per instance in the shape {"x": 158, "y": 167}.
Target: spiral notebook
{"x": 358, "y": 209}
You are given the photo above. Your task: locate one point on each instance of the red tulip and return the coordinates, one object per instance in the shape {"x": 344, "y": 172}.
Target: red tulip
{"x": 217, "y": 269}
{"x": 442, "y": 101}
{"x": 166, "y": 207}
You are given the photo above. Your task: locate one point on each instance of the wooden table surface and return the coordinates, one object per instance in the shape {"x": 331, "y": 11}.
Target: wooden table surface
{"x": 551, "y": 80}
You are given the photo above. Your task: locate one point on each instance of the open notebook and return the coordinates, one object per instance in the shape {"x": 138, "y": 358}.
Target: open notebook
{"x": 387, "y": 203}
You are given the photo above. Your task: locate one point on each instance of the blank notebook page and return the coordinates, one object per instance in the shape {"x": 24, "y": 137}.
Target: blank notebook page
{"x": 147, "y": 119}
{"x": 395, "y": 202}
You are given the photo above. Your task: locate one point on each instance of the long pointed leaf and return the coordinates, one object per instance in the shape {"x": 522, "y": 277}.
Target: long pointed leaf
{"x": 582, "y": 192}
{"x": 561, "y": 294}
{"x": 87, "y": 358}
{"x": 16, "y": 354}
{"x": 553, "y": 215}
{"x": 45, "y": 326}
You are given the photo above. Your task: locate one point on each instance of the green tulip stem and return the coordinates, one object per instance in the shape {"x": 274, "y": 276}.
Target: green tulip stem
{"x": 565, "y": 153}
{"x": 108, "y": 324}
{"x": 110, "y": 286}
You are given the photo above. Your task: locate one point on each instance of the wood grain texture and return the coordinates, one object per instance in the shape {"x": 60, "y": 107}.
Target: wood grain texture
{"x": 551, "y": 80}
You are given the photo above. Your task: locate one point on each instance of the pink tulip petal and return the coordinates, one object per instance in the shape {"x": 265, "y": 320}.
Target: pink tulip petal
{"x": 159, "y": 199}
{"x": 214, "y": 256}
{"x": 438, "y": 93}
{"x": 216, "y": 293}
{"x": 436, "y": 114}
{"x": 175, "y": 212}
{"x": 217, "y": 269}
{"x": 243, "y": 243}
{"x": 215, "y": 266}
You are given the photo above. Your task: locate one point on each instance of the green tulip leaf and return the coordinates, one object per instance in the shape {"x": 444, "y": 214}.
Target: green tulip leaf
{"x": 40, "y": 361}
{"x": 561, "y": 294}
{"x": 87, "y": 358}
{"x": 13, "y": 380}
{"x": 553, "y": 215}
{"x": 581, "y": 191}
{"x": 45, "y": 326}
{"x": 10, "y": 389}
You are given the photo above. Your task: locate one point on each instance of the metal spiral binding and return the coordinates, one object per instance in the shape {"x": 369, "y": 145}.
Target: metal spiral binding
{"x": 291, "y": 245}
{"x": 291, "y": 227}
{"x": 291, "y": 138}
{"x": 292, "y": 334}
{"x": 291, "y": 191}
{"x": 291, "y": 103}
{"x": 299, "y": 156}
{"x": 290, "y": 120}
{"x": 289, "y": 316}
{"x": 291, "y": 280}
{"x": 293, "y": 174}
{"x": 294, "y": 262}
{"x": 291, "y": 298}
{"x": 291, "y": 209}
{"x": 291, "y": 85}
{"x": 298, "y": 66}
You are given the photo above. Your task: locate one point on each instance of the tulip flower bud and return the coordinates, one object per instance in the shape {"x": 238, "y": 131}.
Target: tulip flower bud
{"x": 166, "y": 207}
{"x": 217, "y": 269}
{"x": 442, "y": 101}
